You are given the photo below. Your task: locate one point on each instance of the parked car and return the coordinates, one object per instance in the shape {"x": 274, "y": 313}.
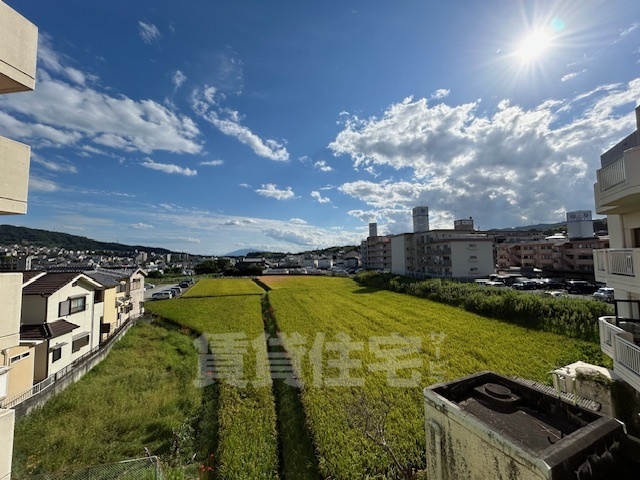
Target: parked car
{"x": 555, "y": 293}
{"x": 550, "y": 283}
{"x": 580, "y": 287}
{"x": 176, "y": 291}
{"x": 170, "y": 292}
{"x": 149, "y": 286}
{"x": 605, "y": 294}
{"x": 525, "y": 285}
{"x": 184, "y": 284}
{"x": 161, "y": 296}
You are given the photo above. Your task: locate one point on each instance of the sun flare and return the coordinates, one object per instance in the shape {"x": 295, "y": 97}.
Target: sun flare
{"x": 534, "y": 45}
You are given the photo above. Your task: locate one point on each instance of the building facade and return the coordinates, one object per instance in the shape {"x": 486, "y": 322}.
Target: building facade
{"x": 18, "y": 52}
{"x": 617, "y": 195}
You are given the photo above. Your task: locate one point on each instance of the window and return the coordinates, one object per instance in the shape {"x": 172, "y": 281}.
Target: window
{"x": 78, "y": 304}
{"x": 122, "y": 288}
{"x": 473, "y": 258}
{"x": 63, "y": 308}
{"x": 56, "y": 354}
{"x": 19, "y": 357}
{"x": 473, "y": 269}
{"x": 135, "y": 285}
{"x": 79, "y": 343}
{"x": 99, "y": 296}
{"x": 472, "y": 245}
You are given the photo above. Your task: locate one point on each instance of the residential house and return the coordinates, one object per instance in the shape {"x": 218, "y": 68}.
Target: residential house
{"x": 617, "y": 195}
{"x": 57, "y": 312}
{"x": 18, "y": 52}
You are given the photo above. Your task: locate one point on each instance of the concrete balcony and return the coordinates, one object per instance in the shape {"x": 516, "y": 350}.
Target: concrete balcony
{"x": 18, "y": 47}
{"x": 620, "y": 346}
{"x": 14, "y": 181}
{"x": 618, "y": 268}
{"x": 618, "y": 188}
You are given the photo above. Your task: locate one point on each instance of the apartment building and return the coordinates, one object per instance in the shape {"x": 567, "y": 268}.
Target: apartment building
{"x": 617, "y": 195}
{"x": 375, "y": 251}
{"x": 460, "y": 253}
{"x": 18, "y": 51}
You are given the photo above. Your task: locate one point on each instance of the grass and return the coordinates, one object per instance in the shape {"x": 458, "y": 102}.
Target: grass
{"x": 247, "y": 439}
{"x": 342, "y": 321}
{"x": 138, "y": 397}
{"x": 217, "y": 287}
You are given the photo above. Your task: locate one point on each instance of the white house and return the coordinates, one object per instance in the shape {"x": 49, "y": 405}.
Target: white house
{"x": 58, "y": 311}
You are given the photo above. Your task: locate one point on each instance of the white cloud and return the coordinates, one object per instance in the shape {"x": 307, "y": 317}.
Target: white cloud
{"x": 571, "y": 75}
{"x": 41, "y": 185}
{"x": 322, "y": 166}
{"x": 227, "y": 121}
{"x": 148, "y": 32}
{"x": 169, "y": 168}
{"x": 59, "y": 113}
{"x": 320, "y": 198}
{"x": 272, "y": 191}
{"x": 293, "y": 236}
{"x": 440, "y": 93}
{"x": 297, "y": 221}
{"x": 508, "y": 167}
{"x": 245, "y": 185}
{"x": 141, "y": 226}
{"x": 212, "y": 163}
{"x": 58, "y": 167}
{"x": 178, "y": 79}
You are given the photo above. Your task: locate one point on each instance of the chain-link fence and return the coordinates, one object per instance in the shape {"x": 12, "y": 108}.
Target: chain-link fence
{"x": 147, "y": 468}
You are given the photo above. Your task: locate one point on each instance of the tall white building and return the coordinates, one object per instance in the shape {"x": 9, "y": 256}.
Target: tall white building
{"x": 420, "y": 219}
{"x": 18, "y": 48}
{"x": 617, "y": 195}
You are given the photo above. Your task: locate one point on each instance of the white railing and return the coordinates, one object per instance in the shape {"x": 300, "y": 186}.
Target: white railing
{"x": 626, "y": 353}
{"x": 621, "y": 262}
{"x": 611, "y": 175}
{"x": 607, "y": 332}
{"x": 600, "y": 260}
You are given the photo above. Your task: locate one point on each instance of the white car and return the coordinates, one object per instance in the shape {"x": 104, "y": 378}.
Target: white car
{"x": 605, "y": 294}
{"x": 556, "y": 294}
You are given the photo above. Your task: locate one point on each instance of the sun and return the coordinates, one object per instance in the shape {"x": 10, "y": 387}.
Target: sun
{"x": 534, "y": 45}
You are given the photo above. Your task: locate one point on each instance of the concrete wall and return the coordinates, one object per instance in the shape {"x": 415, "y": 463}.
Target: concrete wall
{"x": 460, "y": 447}
{"x": 14, "y": 183}
{"x": 7, "y": 421}
{"x": 11, "y": 297}
{"x": 18, "y": 49}
{"x": 462, "y": 261}
{"x": 21, "y": 372}
{"x": 398, "y": 255}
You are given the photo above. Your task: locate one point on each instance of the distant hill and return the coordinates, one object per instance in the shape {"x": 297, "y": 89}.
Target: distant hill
{"x": 10, "y": 234}
{"x": 240, "y": 253}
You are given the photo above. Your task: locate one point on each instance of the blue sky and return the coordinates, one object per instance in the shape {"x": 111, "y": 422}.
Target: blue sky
{"x": 213, "y": 126}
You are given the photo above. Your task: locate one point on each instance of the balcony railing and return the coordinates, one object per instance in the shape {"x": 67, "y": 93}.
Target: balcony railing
{"x": 607, "y": 333}
{"x": 624, "y": 262}
{"x": 619, "y": 345}
{"x": 627, "y": 353}
{"x": 611, "y": 175}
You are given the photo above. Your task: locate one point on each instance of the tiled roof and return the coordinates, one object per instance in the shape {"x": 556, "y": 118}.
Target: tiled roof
{"x": 60, "y": 327}
{"x": 28, "y": 275}
{"x": 48, "y": 284}
{"x": 43, "y": 331}
{"x": 33, "y": 332}
{"x": 103, "y": 279}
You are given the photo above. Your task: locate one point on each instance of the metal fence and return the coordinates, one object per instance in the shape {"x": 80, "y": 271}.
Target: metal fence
{"x": 147, "y": 468}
